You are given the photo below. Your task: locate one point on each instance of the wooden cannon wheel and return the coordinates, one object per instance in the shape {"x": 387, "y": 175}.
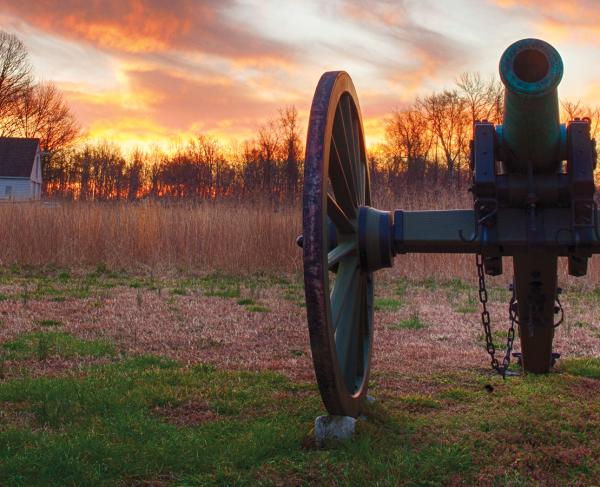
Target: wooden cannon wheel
{"x": 339, "y": 293}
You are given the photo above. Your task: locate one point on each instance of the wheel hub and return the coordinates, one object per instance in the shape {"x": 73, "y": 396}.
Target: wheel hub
{"x": 375, "y": 238}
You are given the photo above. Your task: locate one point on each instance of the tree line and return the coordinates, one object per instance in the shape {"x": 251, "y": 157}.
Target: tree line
{"x": 269, "y": 166}
{"x": 426, "y": 145}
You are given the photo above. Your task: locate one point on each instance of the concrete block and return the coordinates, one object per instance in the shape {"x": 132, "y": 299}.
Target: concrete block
{"x": 336, "y": 428}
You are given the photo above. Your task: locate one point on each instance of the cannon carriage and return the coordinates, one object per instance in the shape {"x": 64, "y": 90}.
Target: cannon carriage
{"x": 533, "y": 200}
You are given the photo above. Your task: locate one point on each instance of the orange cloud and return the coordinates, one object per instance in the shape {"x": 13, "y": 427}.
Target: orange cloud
{"x": 180, "y": 102}
{"x": 132, "y": 133}
{"x": 147, "y": 26}
{"x": 157, "y": 107}
{"x": 190, "y": 66}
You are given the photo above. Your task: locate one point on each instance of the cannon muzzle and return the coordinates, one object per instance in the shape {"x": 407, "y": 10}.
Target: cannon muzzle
{"x": 531, "y": 70}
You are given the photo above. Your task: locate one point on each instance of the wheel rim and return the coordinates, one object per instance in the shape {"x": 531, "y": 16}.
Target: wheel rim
{"x": 339, "y": 294}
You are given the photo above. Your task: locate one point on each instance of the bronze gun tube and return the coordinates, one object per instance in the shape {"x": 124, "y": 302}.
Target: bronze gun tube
{"x": 531, "y": 135}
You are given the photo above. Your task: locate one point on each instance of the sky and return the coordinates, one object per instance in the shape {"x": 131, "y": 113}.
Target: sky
{"x": 145, "y": 73}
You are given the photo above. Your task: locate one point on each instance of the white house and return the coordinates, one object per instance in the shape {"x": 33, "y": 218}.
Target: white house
{"x": 20, "y": 169}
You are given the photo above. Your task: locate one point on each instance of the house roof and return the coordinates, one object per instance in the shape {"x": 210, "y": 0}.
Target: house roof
{"x": 17, "y": 156}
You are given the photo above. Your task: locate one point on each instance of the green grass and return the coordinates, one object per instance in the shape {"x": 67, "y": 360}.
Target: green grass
{"x": 149, "y": 419}
{"x": 411, "y": 323}
{"x": 585, "y": 367}
{"x": 466, "y": 308}
{"x": 387, "y": 304}
{"x": 251, "y": 305}
{"x": 498, "y": 338}
{"x": 294, "y": 292}
{"x": 145, "y": 420}
{"x": 128, "y": 423}
{"x": 230, "y": 286}
{"x": 223, "y": 292}
{"x": 419, "y": 402}
{"x": 52, "y": 284}
{"x": 179, "y": 291}
{"x": 456, "y": 394}
{"x": 42, "y": 345}
{"x": 581, "y": 324}
{"x": 429, "y": 283}
{"x": 470, "y": 305}
{"x": 457, "y": 285}
{"x": 48, "y": 322}
{"x": 401, "y": 288}
{"x": 110, "y": 427}
{"x": 258, "y": 308}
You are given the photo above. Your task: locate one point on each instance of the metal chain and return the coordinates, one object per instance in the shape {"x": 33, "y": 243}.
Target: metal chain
{"x": 486, "y": 321}
{"x": 559, "y": 309}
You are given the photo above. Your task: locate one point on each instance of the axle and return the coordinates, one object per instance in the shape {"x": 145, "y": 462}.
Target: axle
{"x": 515, "y": 231}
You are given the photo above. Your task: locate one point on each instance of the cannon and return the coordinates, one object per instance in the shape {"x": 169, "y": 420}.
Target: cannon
{"x": 533, "y": 200}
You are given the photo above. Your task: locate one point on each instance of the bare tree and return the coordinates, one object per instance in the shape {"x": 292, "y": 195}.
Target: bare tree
{"x": 214, "y": 159}
{"x": 408, "y": 140}
{"x": 134, "y": 173}
{"x": 291, "y": 148}
{"x": 572, "y": 110}
{"x": 447, "y": 113}
{"x": 43, "y": 113}
{"x": 268, "y": 143}
{"x": 15, "y": 79}
{"x": 484, "y": 97}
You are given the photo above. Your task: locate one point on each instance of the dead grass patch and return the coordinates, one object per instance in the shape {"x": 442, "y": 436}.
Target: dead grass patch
{"x": 192, "y": 412}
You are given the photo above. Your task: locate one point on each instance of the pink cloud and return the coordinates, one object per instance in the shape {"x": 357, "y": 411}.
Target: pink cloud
{"x": 146, "y": 26}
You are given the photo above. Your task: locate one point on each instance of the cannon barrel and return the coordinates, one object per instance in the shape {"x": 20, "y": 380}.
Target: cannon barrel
{"x": 531, "y": 70}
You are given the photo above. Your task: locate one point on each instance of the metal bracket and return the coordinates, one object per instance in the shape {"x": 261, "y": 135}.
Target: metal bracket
{"x": 484, "y": 215}
{"x": 484, "y": 178}
{"x": 580, "y": 168}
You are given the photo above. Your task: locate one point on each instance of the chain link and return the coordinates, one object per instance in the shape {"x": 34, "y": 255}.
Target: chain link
{"x": 486, "y": 322}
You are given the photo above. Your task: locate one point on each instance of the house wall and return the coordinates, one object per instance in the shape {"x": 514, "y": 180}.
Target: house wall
{"x": 36, "y": 170}
{"x": 19, "y": 189}
{"x": 12, "y": 188}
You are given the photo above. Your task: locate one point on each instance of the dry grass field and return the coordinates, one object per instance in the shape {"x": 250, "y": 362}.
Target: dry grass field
{"x": 155, "y": 238}
{"x": 159, "y": 345}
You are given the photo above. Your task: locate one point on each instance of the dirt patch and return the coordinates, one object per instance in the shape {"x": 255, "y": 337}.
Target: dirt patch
{"x": 584, "y": 387}
{"x": 193, "y": 412}
{"x": 192, "y": 328}
{"x": 50, "y": 367}
{"x": 15, "y": 415}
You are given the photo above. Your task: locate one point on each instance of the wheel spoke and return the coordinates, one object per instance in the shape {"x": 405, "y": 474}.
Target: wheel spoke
{"x": 351, "y": 126}
{"x": 362, "y": 325}
{"x": 342, "y": 250}
{"x": 338, "y": 217}
{"x": 343, "y": 290}
{"x": 342, "y": 183}
{"x": 346, "y": 132}
{"x": 341, "y": 137}
{"x": 353, "y": 365}
{"x": 346, "y": 337}
{"x": 360, "y": 169}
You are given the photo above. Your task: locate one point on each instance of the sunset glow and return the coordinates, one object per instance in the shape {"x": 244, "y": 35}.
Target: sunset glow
{"x": 145, "y": 73}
